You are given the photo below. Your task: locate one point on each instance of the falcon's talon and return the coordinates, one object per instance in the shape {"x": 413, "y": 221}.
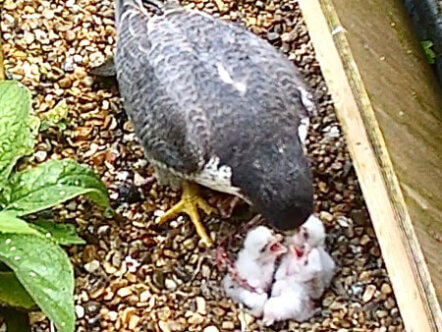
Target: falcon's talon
{"x": 189, "y": 204}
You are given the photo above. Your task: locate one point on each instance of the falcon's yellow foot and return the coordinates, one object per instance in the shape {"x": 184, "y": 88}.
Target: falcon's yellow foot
{"x": 189, "y": 204}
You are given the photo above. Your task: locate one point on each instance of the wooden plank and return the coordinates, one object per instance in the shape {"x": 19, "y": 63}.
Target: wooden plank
{"x": 389, "y": 205}
{"x": 407, "y": 104}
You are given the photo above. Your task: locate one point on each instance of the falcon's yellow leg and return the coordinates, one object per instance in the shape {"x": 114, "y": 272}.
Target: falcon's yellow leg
{"x": 189, "y": 204}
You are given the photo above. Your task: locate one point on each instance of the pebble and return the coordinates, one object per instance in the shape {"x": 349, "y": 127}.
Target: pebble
{"x": 41, "y": 156}
{"x": 288, "y": 37}
{"x": 272, "y": 37}
{"x": 65, "y": 82}
{"x": 365, "y": 275}
{"x": 92, "y": 308}
{"x": 113, "y": 315}
{"x": 92, "y": 266}
{"x": 365, "y": 240}
{"x": 381, "y": 313}
{"x": 9, "y": 5}
{"x": 125, "y": 291}
{"x": 70, "y": 35}
{"x": 133, "y": 322}
{"x": 139, "y": 180}
{"x": 357, "y": 289}
{"x": 69, "y": 65}
{"x": 189, "y": 244}
{"x": 145, "y": 296}
{"x": 48, "y": 14}
{"x": 158, "y": 278}
{"x": 386, "y": 289}
{"x": 259, "y": 4}
{"x": 29, "y": 37}
{"x": 79, "y": 311}
{"x": 326, "y": 216}
{"x": 170, "y": 284}
{"x": 211, "y": 329}
{"x": 88, "y": 81}
{"x": 164, "y": 327}
{"x": 195, "y": 319}
{"x": 200, "y": 305}
{"x": 368, "y": 293}
{"x": 205, "y": 271}
{"x": 219, "y": 311}
{"x": 228, "y": 326}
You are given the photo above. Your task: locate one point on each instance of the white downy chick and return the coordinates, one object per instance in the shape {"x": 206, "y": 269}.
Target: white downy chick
{"x": 307, "y": 261}
{"x": 255, "y": 266}
{"x": 289, "y": 301}
{"x": 314, "y": 272}
{"x": 311, "y": 233}
{"x": 310, "y": 236}
{"x": 293, "y": 289}
{"x": 304, "y": 274}
{"x": 253, "y": 300}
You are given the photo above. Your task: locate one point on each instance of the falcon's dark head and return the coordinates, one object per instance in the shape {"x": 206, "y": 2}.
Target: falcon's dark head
{"x": 279, "y": 185}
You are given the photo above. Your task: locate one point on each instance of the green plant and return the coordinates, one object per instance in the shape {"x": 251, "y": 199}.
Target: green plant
{"x": 427, "y": 45}
{"x": 56, "y": 117}
{"x": 38, "y": 271}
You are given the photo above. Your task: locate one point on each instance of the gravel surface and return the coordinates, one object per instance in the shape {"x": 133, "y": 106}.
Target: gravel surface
{"x": 133, "y": 275}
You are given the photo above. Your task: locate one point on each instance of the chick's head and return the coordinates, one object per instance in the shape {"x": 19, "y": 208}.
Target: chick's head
{"x": 263, "y": 245}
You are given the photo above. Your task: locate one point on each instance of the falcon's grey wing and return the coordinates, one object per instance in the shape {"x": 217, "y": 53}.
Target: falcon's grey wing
{"x": 152, "y": 82}
{"x": 248, "y": 81}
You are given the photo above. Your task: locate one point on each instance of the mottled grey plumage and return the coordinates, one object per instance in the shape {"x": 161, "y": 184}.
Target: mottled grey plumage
{"x": 203, "y": 91}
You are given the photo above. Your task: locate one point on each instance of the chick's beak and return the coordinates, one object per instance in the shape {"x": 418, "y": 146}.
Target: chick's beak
{"x": 298, "y": 251}
{"x": 276, "y": 248}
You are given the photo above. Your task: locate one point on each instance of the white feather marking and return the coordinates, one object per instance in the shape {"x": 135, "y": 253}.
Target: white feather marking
{"x": 306, "y": 99}
{"x": 224, "y": 74}
{"x": 226, "y": 78}
{"x": 281, "y": 148}
{"x": 303, "y": 129}
{"x": 241, "y": 87}
{"x": 217, "y": 177}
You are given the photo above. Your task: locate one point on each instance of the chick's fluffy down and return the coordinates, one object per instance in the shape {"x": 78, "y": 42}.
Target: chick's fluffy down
{"x": 289, "y": 301}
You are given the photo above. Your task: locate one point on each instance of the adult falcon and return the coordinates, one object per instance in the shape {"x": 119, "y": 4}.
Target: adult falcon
{"x": 214, "y": 105}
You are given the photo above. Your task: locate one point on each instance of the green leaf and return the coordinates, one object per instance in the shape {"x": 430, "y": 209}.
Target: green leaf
{"x": 11, "y": 224}
{"x": 58, "y": 113}
{"x": 16, "y": 321}
{"x": 49, "y": 184}
{"x": 63, "y": 234}
{"x": 429, "y": 53}
{"x": 62, "y": 125}
{"x": 44, "y": 270}
{"x": 12, "y": 293}
{"x": 16, "y": 131}
{"x": 44, "y": 126}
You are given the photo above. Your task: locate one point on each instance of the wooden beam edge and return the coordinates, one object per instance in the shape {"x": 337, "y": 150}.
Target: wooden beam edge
{"x": 400, "y": 248}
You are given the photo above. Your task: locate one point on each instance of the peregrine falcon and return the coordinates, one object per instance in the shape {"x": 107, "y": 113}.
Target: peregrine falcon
{"x": 215, "y": 105}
